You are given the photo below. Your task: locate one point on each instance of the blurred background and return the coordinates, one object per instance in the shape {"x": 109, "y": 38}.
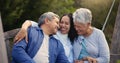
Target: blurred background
{"x": 15, "y": 12}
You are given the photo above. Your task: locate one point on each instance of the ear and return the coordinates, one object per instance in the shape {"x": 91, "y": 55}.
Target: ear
{"x": 47, "y": 20}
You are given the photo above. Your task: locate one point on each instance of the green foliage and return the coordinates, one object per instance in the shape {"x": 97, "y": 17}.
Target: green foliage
{"x": 111, "y": 21}
{"x": 11, "y": 11}
{"x": 58, "y": 6}
{"x": 118, "y": 61}
{"x": 15, "y": 12}
{"x": 100, "y": 10}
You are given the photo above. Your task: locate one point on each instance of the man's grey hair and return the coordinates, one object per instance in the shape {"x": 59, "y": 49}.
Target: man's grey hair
{"x": 48, "y": 15}
{"x": 82, "y": 15}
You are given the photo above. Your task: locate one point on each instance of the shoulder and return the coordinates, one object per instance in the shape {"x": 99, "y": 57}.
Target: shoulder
{"x": 97, "y": 31}
{"x": 34, "y": 30}
{"x": 56, "y": 41}
{"x": 57, "y": 35}
{"x": 54, "y": 37}
{"x": 99, "y": 35}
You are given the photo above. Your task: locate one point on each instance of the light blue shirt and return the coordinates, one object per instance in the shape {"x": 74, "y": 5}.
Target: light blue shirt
{"x": 96, "y": 46}
{"x": 66, "y": 45}
{"x": 64, "y": 40}
{"x": 23, "y": 52}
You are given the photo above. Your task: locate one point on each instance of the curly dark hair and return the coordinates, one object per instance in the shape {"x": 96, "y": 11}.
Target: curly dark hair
{"x": 72, "y": 34}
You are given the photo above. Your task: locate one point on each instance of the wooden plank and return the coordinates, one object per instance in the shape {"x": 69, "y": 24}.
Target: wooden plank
{"x": 114, "y": 58}
{"x": 11, "y": 33}
{"x": 3, "y": 53}
{"x": 8, "y": 35}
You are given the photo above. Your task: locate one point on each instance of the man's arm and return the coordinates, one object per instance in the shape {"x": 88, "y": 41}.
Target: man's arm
{"x": 19, "y": 54}
{"x": 61, "y": 58}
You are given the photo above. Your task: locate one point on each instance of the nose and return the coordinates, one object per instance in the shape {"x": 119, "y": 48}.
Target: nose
{"x": 63, "y": 24}
{"x": 76, "y": 28}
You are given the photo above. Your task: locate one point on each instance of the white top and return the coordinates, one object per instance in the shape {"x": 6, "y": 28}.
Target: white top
{"x": 42, "y": 55}
{"x": 96, "y": 46}
{"x": 66, "y": 45}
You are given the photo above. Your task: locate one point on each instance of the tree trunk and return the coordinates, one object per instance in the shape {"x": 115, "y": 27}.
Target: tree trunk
{"x": 3, "y": 54}
{"x": 115, "y": 45}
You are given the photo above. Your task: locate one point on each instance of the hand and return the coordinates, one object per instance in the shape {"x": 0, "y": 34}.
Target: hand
{"x": 78, "y": 61}
{"x": 21, "y": 34}
{"x": 91, "y": 60}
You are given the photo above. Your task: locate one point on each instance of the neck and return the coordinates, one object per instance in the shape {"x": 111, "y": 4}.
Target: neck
{"x": 89, "y": 31}
{"x": 45, "y": 29}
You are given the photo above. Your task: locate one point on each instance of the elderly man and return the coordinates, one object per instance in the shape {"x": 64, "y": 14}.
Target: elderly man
{"x": 41, "y": 46}
{"x": 91, "y": 45}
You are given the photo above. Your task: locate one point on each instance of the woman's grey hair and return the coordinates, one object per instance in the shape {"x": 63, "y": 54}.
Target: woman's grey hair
{"x": 48, "y": 15}
{"x": 82, "y": 15}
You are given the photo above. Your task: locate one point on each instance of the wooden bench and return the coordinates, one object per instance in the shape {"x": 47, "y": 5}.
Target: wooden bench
{"x": 9, "y": 35}
{"x": 114, "y": 58}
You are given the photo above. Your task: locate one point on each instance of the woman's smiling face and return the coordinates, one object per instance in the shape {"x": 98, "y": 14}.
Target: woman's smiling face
{"x": 64, "y": 25}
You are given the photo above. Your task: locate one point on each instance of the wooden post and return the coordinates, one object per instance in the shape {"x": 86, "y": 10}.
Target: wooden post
{"x": 3, "y": 53}
{"x": 115, "y": 45}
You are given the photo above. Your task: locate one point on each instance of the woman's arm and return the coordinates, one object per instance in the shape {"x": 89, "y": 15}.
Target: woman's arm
{"x": 23, "y": 31}
{"x": 104, "y": 54}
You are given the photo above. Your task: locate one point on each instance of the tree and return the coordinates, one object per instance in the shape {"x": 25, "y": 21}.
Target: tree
{"x": 15, "y": 12}
{"x": 115, "y": 45}
{"x": 11, "y": 10}
{"x": 3, "y": 53}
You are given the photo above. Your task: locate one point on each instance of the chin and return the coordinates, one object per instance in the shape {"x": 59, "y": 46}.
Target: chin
{"x": 64, "y": 32}
{"x": 54, "y": 33}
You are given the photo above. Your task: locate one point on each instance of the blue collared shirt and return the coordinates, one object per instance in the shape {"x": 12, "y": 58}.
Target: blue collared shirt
{"x": 24, "y": 53}
{"x": 64, "y": 40}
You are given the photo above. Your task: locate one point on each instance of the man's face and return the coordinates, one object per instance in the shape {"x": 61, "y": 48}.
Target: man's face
{"x": 54, "y": 25}
{"x": 81, "y": 28}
